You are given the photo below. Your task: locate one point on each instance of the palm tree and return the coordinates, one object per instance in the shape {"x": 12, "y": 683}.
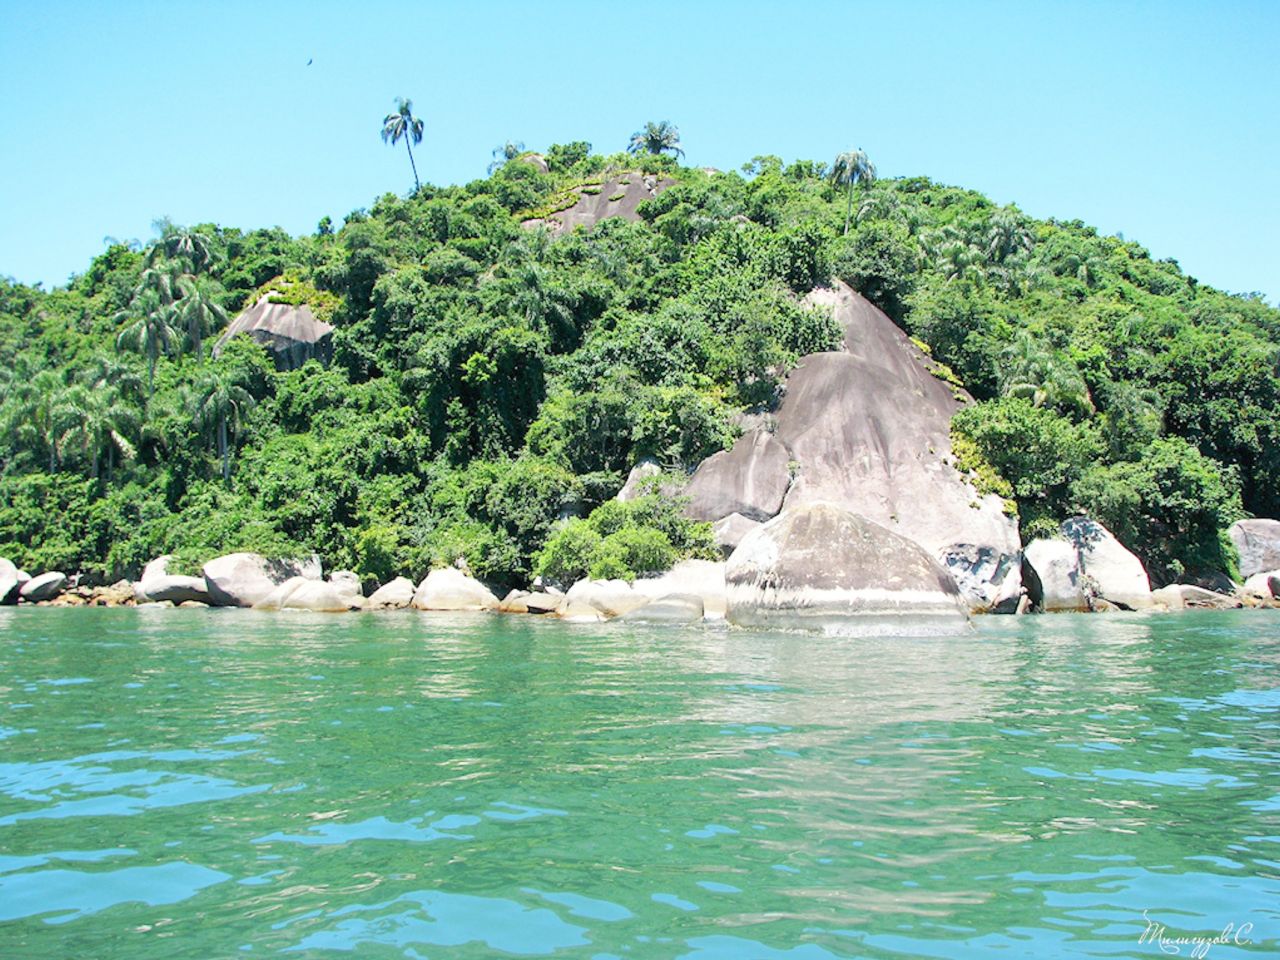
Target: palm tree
{"x": 1008, "y": 235}
{"x": 32, "y": 418}
{"x": 197, "y": 312}
{"x": 403, "y": 123}
{"x": 151, "y": 333}
{"x": 193, "y": 249}
{"x": 94, "y": 421}
{"x": 218, "y": 404}
{"x": 852, "y": 167}
{"x": 508, "y": 151}
{"x": 656, "y": 138}
{"x": 1035, "y": 371}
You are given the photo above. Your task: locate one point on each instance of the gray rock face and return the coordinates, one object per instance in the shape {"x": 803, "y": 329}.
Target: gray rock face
{"x": 635, "y": 485}
{"x": 44, "y": 587}
{"x": 158, "y": 584}
{"x": 1264, "y": 585}
{"x": 751, "y": 480}
{"x": 243, "y": 579}
{"x": 346, "y": 581}
{"x": 618, "y": 196}
{"x": 820, "y": 567}
{"x": 391, "y": 596}
{"x": 1259, "y": 544}
{"x": 290, "y": 333}
{"x": 990, "y": 580}
{"x": 1114, "y": 573}
{"x": 868, "y": 429}
{"x": 451, "y": 589}
{"x": 673, "y": 608}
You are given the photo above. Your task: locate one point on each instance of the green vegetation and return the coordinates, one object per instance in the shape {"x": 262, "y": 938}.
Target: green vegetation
{"x": 492, "y": 384}
{"x": 404, "y": 124}
{"x": 656, "y": 138}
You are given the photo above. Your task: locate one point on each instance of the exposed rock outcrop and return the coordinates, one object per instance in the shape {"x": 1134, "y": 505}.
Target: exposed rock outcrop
{"x": 1258, "y": 542}
{"x": 1185, "y": 596}
{"x": 729, "y": 531}
{"x": 290, "y": 333}
{"x": 302, "y": 593}
{"x": 618, "y": 196}
{"x": 703, "y": 579}
{"x": 243, "y": 579}
{"x": 822, "y": 567}
{"x": 9, "y": 583}
{"x": 612, "y": 598}
{"x": 868, "y": 428}
{"x": 1056, "y": 587}
{"x": 1265, "y": 586}
{"x": 451, "y": 589}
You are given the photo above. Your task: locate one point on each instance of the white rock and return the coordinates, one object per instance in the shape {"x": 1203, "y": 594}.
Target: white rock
{"x": 1115, "y": 573}
{"x": 702, "y": 578}
{"x": 391, "y": 596}
{"x": 451, "y": 589}
{"x": 1057, "y": 566}
{"x": 611, "y": 597}
{"x": 44, "y": 587}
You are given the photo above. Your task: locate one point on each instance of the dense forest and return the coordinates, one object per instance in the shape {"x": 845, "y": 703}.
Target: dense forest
{"x": 492, "y": 378}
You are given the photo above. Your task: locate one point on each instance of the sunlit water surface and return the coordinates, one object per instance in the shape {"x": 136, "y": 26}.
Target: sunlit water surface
{"x": 223, "y": 783}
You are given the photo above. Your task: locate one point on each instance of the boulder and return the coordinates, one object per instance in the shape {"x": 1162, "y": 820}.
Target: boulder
{"x": 636, "y": 487}
{"x": 347, "y": 582}
{"x": 513, "y": 602}
{"x": 867, "y": 428}
{"x": 1258, "y": 542}
{"x": 158, "y": 583}
{"x": 612, "y": 598}
{"x": 673, "y": 608}
{"x": 44, "y": 587}
{"x": 451, "y": 589}
{"x": 391, "y": 596}
{"x": 302, "y": 593}
{"x": 822, "y": 567}
{"x": 701, "y": 578}
{"x": 244, "y": 579}
{"x": 542, "y": 603}
{"x": 1263, "y": 585}
{"x": 990, "y": 580}
{"x": 1057, "y": 584}
{"x": 730, "y": 530}
{"x": 10, "y": 584}
{"x": 1185, "y": 596}
{"x": 193, "y": 605}
{"x": 1112, "y": 572}
{"x": 290, "y": 333}
{"x": 579, "y": 611}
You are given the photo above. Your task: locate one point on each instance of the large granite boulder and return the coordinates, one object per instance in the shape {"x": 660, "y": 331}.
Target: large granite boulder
{"x": 673, "y": 608}
{"x": 1056, "y": 586}
{"x": 1258, "y": 542}
{"x": 159, "y": 584}
{"x": 868, "y": 428}
{"x": 703, "y": 579}
{"x": 451, "y": 589}
{"x": 392, "y": 596}
{"x": 1114, "y": 574}
{"x": 303, "y": 593}
{"x": 820, "y": 567}
{"x": 641, "y": 478}
{"x": 348, "y": 582}
{"x": 9, "y": 583}
{"x": 243, "y": 579}
{"x": 1265, "y": 585}
{"x": 290, "y": 333}
{"x": 1186, "y": 596}
{"x": 44, "y": 587}
{"x": 618, "y": 196}
{"x": 729, "y": 531}
{"x": 1087, "y": 568}
{"x": 612, "y": 598}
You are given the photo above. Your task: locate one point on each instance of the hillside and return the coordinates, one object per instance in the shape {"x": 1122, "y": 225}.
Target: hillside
{"x": 490, "y": 376}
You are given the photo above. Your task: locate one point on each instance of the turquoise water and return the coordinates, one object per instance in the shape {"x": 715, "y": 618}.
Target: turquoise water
{"x": 223, "y": 783}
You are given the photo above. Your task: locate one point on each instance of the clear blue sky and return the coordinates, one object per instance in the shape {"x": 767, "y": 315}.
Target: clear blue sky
{"x": 1155, "y": 119}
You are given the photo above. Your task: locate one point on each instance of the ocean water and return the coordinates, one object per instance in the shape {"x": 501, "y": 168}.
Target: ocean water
{"x": 215, "y": 784}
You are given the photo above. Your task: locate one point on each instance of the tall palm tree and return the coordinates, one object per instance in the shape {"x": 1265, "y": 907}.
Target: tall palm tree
{"x": 656, "y": 138}
{"x": 197, "y": 312}
{"x": 218, "y": 405}
{"x": 852, "y": 167}
{"x": 151, "y": 331}
{"x": 32, "y": 415}
{"x": 193, "y": 249}
{"x": 404, "y": 124}
{"x": 1035, "y": 371}
{"x": 93, "y": 421}
{"x": 507, "y": 152}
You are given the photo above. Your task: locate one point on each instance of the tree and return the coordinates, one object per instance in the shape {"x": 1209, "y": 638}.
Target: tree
{"x": 197, "y": 312}
{"x": 508, "y": 151}
{"x": 94, "y": 421}
{"x": 656, "y": 138}
{"x": 851, "y": 167}
{"x": 218, "y": 404}
{"x": 404, "y": 124}
{"x": 152, "y": 331}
